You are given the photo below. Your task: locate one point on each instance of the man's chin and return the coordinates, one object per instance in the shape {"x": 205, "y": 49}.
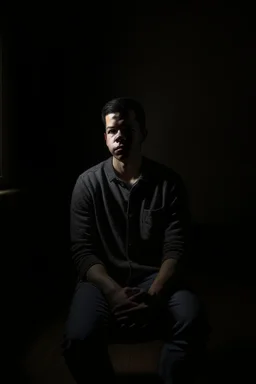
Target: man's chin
{"x": 121, "y": 155}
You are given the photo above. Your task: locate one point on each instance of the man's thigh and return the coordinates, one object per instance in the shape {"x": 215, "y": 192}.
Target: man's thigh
{"x": 88, "y": 312}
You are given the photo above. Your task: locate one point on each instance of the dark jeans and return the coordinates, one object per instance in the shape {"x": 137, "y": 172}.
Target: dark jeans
{"x": 89, "y": 329}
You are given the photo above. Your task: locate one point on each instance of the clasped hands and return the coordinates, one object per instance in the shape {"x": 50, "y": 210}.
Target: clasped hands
{"x": 133, "y": 307}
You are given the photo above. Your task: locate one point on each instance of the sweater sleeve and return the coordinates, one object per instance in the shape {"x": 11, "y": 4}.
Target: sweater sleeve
{"x": 83, "y": 231}
{"x": 178, "y": 222}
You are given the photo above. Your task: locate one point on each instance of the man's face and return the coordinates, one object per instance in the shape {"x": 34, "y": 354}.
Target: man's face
{"x": 123, "y": 135}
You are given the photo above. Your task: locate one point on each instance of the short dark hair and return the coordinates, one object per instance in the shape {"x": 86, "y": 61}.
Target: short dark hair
{"x": 123, "y": 105}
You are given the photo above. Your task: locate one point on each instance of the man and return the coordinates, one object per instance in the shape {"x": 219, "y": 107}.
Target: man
{"x": 129, "y": 225}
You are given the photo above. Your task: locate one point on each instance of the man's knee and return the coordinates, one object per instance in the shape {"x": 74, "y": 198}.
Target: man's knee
{"x": 87, "y": 337}
{"x": 185, "y": 305}
{"x": 79, "y": 335}
{"x": 188, "y": 312}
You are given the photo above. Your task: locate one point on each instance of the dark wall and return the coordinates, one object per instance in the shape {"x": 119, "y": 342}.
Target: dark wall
{"x": 59, "y": 87}
{"x": 55, "y": 83}
{"x": 191, "y": 66}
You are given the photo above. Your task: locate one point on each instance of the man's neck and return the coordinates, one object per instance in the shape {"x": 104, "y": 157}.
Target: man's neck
{"x": 130, "y": 170}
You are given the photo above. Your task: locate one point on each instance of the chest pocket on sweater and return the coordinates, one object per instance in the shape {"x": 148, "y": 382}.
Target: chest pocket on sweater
{"x": 152, "y": 224}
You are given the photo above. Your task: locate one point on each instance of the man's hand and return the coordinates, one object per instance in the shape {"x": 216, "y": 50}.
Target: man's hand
{"x": 121, "y": 298}
{"x": 136, "y": 315}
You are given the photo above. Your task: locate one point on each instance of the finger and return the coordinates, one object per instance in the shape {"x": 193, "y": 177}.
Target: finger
{"x": 122, "y": 318}
{"x": 139, "y": 307}
{"x": 131, "y": 290}
{"x": 139, "y": 296}
{"x": 127, "y": 326}
{"x": 123, "y": 322}
{"x": 126, "y": 304}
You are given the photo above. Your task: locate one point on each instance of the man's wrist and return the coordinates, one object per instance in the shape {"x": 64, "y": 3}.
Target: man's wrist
{"x": 110, "y": 287}
{"x": 107, "y": 285}
{"x": 155, "y": 288}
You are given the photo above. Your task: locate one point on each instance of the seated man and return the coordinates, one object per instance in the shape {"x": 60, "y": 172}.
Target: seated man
{"x": 129, "y": 227}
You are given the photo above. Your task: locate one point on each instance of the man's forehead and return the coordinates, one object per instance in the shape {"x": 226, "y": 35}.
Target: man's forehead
{"x": 117, "y": 117}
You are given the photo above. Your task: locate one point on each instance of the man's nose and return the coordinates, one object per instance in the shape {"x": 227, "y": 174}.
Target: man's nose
{"x": 120, "y": 136}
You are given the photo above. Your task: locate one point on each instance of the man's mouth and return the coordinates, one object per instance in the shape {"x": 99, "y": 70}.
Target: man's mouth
{"x": 119, "y": 150}
{"x": 120, "y": 147}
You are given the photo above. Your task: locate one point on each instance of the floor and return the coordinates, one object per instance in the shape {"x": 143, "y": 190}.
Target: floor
{"x": 231, "y": 351}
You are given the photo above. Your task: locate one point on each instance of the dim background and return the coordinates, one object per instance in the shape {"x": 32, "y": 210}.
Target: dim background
{"x": 192, "y": 66}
